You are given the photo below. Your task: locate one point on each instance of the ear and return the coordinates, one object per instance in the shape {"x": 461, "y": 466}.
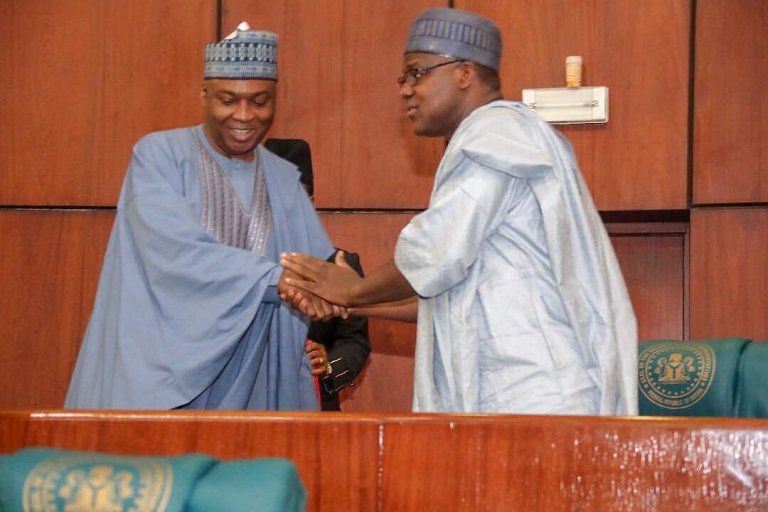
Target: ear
{"x": 203, "y": 92}
{"x": 467, "y": 74}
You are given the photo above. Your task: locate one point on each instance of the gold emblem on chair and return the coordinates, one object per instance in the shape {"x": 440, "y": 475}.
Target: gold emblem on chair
{"x": 95, "y": 483}
{"x": 676, "y": 375}
{"x": 675, "y": 369}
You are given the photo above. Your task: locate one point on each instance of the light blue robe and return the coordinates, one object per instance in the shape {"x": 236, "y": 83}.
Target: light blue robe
{"x": 523, "y": 308}
{"x": 182, "y": 320}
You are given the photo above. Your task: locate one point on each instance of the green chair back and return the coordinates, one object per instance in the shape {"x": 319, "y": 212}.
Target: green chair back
{"x": 44, "y": 479}
{"x": 753, "y": 371}
{"x": 690, "y": 378}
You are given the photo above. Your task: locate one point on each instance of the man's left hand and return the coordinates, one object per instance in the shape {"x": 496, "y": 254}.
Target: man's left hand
{"x": 318, "y": 359}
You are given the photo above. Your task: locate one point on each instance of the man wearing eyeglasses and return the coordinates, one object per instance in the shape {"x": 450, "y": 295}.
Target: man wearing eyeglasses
{"x": 522, "y": 307}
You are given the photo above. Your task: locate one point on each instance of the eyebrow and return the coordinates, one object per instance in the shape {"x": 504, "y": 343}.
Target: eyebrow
{"x": 227, "y": 93}
{"x": 415, "y": 64}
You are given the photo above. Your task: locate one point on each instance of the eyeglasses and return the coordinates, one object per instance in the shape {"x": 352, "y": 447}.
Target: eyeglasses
{"x": 413, "y": 75}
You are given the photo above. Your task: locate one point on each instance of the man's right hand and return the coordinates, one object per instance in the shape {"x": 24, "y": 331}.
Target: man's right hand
{"x": 331, "y": 281}
{"x": 310, "y": 305}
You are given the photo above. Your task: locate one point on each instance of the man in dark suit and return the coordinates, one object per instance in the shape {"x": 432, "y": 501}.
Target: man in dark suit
{"x": 337, "y": 348}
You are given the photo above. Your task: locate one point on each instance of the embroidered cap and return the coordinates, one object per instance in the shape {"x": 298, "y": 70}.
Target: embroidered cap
{"x": 456, "y": 33}
{"x": 244, "y": 53}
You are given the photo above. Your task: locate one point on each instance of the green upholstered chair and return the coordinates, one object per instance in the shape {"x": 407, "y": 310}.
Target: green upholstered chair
{"x": 752, "y": 400}
{"x": 690, "y": 378}
{"x": 44, "y": 479}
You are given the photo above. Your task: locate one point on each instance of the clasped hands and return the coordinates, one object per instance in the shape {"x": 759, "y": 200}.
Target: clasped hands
{"x": 316, "y": 288}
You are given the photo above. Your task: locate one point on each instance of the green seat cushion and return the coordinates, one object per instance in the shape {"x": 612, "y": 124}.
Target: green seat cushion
{"x": 44, "y": 479}
{"x": 689, "y": 378}
{"x": 266, "y": 485}
{"x": 753, "y": 382}
{"x": 57, "y": 480}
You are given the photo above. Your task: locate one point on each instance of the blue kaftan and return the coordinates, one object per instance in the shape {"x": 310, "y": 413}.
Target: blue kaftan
{"x": 183, "y": 320}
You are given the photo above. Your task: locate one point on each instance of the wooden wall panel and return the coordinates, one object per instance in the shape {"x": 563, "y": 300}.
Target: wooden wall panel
{"x": 82, "y": 81}
{"x": 729, "y": 273}
{"x": 653, "y": 261}
{"x": 640, "y": 51}
{"x": 100, "y": 74}
{"x": 731, "y": 99}
{"x": 387, "y": 382}
{"x": 338, "y": 63}
{"x": 51, "y": 264}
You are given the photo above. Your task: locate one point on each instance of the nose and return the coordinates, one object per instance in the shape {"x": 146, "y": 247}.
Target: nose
{"x": 243, "y": 111}
{"x": 406, "y": 90}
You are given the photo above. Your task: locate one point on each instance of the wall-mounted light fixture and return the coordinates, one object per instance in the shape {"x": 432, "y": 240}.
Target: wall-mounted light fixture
{"x": 572, "y": 104}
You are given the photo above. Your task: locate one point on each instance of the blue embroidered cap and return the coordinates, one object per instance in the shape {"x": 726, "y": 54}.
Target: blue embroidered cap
{"x": 243, "y": 54}
{"x": 456, "y": 33}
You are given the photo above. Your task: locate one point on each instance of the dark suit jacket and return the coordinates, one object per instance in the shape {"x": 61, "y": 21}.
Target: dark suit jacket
{"x": 347, "y": 344}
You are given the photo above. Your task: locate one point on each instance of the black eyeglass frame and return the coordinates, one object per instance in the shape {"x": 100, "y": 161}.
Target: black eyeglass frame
{"x": 413, "y": 75}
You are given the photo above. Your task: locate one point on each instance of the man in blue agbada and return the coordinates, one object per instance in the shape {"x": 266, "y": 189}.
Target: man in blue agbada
{"x": 187, "y": 313}
{"x": 522, "y": 307}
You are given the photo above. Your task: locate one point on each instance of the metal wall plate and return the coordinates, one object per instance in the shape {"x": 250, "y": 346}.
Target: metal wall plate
{"x": 569, "y": 105}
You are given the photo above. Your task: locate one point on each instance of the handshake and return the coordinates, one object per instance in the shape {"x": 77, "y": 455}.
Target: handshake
{"x": 318, "y": 289}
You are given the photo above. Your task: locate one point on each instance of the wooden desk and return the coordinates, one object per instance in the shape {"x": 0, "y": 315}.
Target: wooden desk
{"x": 423, "y": 462}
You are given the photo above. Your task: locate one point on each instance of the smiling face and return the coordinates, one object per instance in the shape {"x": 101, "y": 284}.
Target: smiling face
{"x": 238, "y": 114}
{"x": 435, "y": 104}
